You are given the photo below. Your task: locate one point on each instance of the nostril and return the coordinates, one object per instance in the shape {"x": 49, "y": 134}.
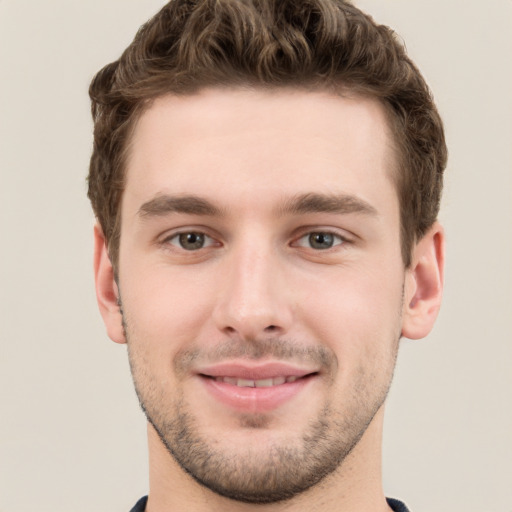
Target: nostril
{"x": 270, "y": 328}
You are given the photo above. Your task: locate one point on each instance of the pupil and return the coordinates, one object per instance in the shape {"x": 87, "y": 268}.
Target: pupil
{"x": 321, "y": 240}
{"x": 191, "y": 241}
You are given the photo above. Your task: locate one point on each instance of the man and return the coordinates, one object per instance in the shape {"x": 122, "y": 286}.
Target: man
{"x": 266, "y": 178}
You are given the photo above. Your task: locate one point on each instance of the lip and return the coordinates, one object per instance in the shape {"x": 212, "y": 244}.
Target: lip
{"x": 265, "y": 370}
{"x": 255, "y": 399}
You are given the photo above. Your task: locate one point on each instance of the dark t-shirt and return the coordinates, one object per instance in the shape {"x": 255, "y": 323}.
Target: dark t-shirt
{"x": 396, "y": 505}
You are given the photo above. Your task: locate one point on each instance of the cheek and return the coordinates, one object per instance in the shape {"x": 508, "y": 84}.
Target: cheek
{"x": 164, "y": 308}
{"x": 358, "y": 313}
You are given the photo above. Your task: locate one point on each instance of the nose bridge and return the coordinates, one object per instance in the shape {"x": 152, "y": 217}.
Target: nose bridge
{"x": 253, "y": 300}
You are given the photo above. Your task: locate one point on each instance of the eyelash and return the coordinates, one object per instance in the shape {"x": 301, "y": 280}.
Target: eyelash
{"x": 176, "y": 236}
{"x": 337, "y": 240}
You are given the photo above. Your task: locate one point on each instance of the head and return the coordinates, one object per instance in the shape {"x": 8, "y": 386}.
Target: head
{"x": 313, "y": 45}
{"x": 266, "y": 176}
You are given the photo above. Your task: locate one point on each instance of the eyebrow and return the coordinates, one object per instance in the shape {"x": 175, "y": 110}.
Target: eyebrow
{"x": 164, "y": 204}
{"x": 188, "y": 204}
{"x": 327, "y": 203}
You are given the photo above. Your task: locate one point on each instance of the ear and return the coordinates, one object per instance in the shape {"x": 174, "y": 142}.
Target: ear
{"x": 107, "y": 293}
{"x": 424, "y": 284}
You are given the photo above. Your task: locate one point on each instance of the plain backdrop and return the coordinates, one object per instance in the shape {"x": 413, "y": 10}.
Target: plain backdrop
{"x": 72, "y": 438}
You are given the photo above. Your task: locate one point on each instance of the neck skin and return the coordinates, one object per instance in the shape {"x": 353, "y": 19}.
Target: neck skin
{"x": 356, "y": 486}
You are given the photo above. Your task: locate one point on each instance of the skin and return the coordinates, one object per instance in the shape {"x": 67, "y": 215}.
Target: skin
{"x": 261, "y": 289}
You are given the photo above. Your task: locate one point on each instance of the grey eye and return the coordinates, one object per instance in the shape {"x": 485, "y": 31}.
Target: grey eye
{"x": 191, "y": 241}
{"x": 321, "y": 240}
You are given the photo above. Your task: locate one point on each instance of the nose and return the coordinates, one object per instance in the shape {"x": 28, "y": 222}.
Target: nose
{"x": 254, "y": 300}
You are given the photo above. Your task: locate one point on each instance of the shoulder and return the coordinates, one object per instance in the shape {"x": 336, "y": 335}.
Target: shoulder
{"x": 140, "y": 506}
{"x": 397, "y": 506}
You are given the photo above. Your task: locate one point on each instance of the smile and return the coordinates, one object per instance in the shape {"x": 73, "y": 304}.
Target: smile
{"x": 261, "y": 383}
{"x": 256, "y": 388}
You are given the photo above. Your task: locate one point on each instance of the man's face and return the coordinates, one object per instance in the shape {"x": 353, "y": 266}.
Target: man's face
{"x": 261, "y": 282}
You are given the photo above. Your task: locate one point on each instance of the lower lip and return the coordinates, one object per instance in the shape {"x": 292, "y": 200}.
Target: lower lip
{"x": 247, "y": 399}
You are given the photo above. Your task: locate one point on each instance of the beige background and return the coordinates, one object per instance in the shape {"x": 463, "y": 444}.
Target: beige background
{"x": 72, "y": 438}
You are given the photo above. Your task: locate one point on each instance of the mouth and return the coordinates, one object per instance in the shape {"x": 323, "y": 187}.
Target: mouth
{"x": 260, "y": 383}
{"x": 256, "y": 388}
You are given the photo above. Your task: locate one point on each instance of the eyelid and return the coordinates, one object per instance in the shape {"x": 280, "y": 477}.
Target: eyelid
{"x": 338, "y": 239}
{"x": 208, "y": 240}
{"x": 307, "y": 229}
{"x": 169, "y": 236}
{"x": 213, "y": 240}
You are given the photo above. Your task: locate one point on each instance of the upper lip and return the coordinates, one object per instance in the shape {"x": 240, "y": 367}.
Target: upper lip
{"x": 251, "y": 371}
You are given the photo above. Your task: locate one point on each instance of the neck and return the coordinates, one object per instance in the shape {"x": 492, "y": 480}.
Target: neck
{"x": 356, "y": 486}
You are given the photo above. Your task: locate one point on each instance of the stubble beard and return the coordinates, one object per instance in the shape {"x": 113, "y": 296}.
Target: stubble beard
{"x": 282, "y": 470}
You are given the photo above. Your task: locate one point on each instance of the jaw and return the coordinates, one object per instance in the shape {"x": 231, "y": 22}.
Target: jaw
{"x": 355, "y": 485}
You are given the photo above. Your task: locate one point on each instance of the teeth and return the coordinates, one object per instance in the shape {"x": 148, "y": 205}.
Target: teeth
{"x": 244, "y": 383}
{"x": 262, "y": 383}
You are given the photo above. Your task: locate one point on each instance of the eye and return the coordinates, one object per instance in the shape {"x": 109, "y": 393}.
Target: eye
{"x": 320, "y": 240}
{"x": 190, "y": 241}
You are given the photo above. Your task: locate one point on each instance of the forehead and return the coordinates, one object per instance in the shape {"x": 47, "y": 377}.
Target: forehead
{"x": 240, "y": 144}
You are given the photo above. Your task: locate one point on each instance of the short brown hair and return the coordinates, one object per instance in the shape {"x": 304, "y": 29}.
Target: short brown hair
{"x": 315, "y": 44}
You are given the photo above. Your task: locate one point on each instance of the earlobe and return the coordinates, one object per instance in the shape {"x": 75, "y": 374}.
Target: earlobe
{"x": 107, "y": 293}
{"x": 424, "y": 284}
